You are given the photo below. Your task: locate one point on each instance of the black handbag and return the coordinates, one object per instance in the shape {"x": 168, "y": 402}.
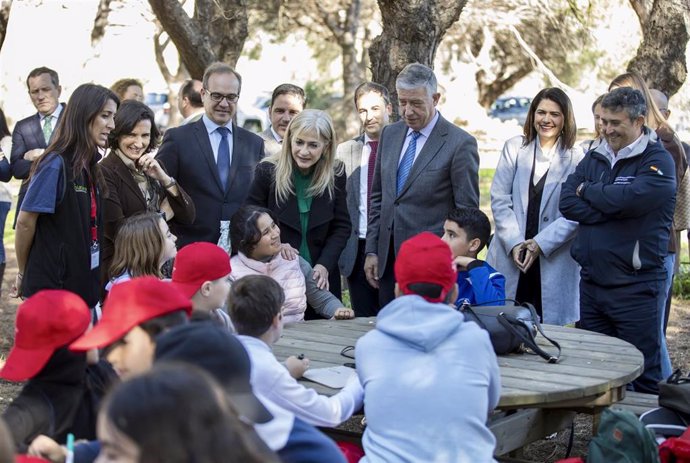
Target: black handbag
{"x": 674, "y": 393}
{"x": 511, "y": 328}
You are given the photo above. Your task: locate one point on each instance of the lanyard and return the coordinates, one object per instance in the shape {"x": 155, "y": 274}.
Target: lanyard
{"x": 94, "y": 221}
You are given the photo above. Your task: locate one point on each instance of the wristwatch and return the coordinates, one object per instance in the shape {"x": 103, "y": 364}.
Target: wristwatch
{"x": 578, "y": 190}
{"x": 172, "y": 182}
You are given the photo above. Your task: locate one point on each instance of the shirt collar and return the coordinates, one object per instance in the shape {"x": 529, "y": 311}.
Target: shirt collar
{"x": 278, "y": 138}
{"x": 55, "y": 114}
{"x": 426, "y": 131}
{"x": 211, "y": 126}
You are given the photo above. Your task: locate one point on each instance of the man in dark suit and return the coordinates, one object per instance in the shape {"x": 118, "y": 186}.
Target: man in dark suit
{"x": 425, "y": 167}
{"x": 359, "y": 156}
{"x": 212, "y": 159}
{"x": 287, "y": 101}
{"x": 31, "y": 135}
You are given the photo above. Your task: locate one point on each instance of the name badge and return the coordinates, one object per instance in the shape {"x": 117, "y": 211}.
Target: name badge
{"x": 95, "y": 255}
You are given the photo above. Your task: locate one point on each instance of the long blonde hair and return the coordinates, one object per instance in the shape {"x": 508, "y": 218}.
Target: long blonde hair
{"x": 312, "y": 122}
{"x": 138, "y": 246}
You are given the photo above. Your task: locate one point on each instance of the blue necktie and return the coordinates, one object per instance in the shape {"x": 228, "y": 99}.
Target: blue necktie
{"x": 223, "y": 156}
{"x": 407, "y": 161}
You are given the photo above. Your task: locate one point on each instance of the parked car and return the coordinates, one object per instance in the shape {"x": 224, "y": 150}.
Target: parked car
{"x": 511, "y": 107}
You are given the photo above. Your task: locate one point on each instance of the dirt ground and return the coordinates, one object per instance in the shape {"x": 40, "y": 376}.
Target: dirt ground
{"x": 547, "y": 450}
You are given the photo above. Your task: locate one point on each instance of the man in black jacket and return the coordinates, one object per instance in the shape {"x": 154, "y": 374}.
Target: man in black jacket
{"x": 623, "y": 195}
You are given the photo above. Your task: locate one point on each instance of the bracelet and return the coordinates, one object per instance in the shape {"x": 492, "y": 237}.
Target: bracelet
{"x": 172, "y": 182}
{"x": 20, "y": 275}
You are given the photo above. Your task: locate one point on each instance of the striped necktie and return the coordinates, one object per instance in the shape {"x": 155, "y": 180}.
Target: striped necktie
{"x": 47, "y": 128}
{"x": 407, "y": 161}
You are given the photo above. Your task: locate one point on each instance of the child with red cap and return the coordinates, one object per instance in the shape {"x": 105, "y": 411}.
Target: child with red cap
{"x": 60, "y": 396}
{"x": 424, "y": 355}
{"x": 202, "y": 273}
{"x": 135, "y": 312}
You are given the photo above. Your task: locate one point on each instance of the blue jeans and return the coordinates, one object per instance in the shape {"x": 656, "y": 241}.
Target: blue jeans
{"x": 666, "y": 367}
{"x": 4, "y": 209}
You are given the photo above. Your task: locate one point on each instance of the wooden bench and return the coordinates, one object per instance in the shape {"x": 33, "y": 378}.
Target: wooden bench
{"x": 638, "y": 402}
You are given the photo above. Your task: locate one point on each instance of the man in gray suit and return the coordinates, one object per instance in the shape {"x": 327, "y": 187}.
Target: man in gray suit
{"x": 359, "y": 156}
{"x": 425, "y": 167}
{"x": 287, "y": 101}
{"x": 32, "y": 135}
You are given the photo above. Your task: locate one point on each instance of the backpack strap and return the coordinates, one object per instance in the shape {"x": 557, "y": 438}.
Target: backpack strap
{"x": 509, "y": 323}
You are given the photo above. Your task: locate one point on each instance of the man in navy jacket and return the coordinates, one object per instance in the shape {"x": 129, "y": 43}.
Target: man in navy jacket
{"x": 623, "y": 195}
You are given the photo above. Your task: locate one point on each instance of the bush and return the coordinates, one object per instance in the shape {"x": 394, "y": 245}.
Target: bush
{"x": 681, "y": 282}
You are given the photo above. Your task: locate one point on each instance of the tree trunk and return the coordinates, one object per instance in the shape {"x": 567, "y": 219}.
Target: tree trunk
{"x": 412, "y": 31}
{"x": 5, "y": 6}
{"x": 353, "y": 75}
{"x": 489, "y": 91}
{"x": 660, "y": 59}
{"x": 216, "y": 32}
{"x": 100, "y": 22}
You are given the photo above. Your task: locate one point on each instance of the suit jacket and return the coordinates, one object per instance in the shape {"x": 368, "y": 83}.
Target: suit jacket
{"x": 271, "y": 146}
{"x": 560, "y": 274}
{"x": 187, "y": 156}
{"x": 27, "y": 135}
{"x": 350, "y": 153}
{"x": 123, "y": 199}
{"x": 444, "y": 175}
{"x": 329, "y": 224}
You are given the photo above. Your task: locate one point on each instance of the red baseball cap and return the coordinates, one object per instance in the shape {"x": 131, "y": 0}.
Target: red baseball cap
{"x": 197, "y": 263}
{"x": 425, "y": 258}
{"x": 46, "y": 321}
{"x": 129, "y": 304}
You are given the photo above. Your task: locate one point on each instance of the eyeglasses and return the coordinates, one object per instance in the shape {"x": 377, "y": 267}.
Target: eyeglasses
{"x": 218, "y": 97}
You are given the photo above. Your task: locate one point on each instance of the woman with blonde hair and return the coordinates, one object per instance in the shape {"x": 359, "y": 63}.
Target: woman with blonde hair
{"x": 143, "y": 244}
{"x": 305, "y": 186}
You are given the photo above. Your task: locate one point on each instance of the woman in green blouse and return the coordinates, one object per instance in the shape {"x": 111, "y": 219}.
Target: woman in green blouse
{"x": 304, "y": 186}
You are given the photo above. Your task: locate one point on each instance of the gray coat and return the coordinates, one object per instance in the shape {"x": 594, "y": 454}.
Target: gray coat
{"x": 271, "y": 146}
{"x": 560, "y": 274}
{"x": 444, "y": 175}
{"x": 350, "y": 153}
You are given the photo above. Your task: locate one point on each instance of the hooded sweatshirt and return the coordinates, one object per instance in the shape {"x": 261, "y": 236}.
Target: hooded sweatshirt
{"x": 430, "y": 380}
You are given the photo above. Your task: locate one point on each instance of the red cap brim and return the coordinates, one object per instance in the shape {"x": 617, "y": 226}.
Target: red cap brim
{"x": 23, "y": 364}
{"x": 187, "y": 289}
{"x": 103, "y": 334}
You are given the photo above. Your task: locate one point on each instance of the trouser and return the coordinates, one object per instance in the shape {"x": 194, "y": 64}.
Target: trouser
{"x": 387, "y": 280}
{"x": 364, "y": 297}
{"x": 630, "y": 313}
{"x": 666, "y": 367}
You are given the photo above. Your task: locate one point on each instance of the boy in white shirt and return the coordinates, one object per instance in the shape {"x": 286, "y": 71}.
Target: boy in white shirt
{"x": 254, "y": 305}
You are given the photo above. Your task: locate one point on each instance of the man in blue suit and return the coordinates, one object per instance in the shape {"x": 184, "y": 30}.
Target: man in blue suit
{"x": 212, "y": 159}
{"x": 32, "y": 135}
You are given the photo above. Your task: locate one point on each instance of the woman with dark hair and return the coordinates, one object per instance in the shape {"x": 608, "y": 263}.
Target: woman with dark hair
{"x": 304, "y": 185}
{"x": 255, "y": 237}
{"x": 136, "y": 181}
{"x": 531, "y": 246}
{"x": 5, "y": 195}
{"x": 175, "y": 414}
{"x": 59, "y": 227}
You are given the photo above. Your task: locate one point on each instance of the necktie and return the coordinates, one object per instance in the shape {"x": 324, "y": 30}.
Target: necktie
{"x": 374, "y": 145}
{"x": 47, "y": 128}
{"x": 223, "y": 161}
{"x": 407, "y": 161}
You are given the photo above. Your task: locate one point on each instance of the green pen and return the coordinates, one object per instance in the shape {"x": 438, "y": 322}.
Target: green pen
{"x": 69, "y": 458}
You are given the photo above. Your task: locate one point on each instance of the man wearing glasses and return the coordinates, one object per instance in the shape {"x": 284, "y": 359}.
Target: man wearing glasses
{"x": 212, "y": 159}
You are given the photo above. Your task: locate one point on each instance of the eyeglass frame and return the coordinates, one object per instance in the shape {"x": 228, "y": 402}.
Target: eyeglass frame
{"x": 218, "y": 97}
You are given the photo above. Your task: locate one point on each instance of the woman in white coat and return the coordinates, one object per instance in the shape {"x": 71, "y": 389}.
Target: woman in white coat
{"x": 531, "y": 246}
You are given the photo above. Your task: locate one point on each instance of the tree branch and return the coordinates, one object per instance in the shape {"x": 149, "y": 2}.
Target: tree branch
{"x": 641, "y": 8}
{"x": 5, "y": 6}
{"x": 100, "y": 22}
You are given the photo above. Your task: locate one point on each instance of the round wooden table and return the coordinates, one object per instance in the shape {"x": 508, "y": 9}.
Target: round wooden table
{"x": 593, "y": 371}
